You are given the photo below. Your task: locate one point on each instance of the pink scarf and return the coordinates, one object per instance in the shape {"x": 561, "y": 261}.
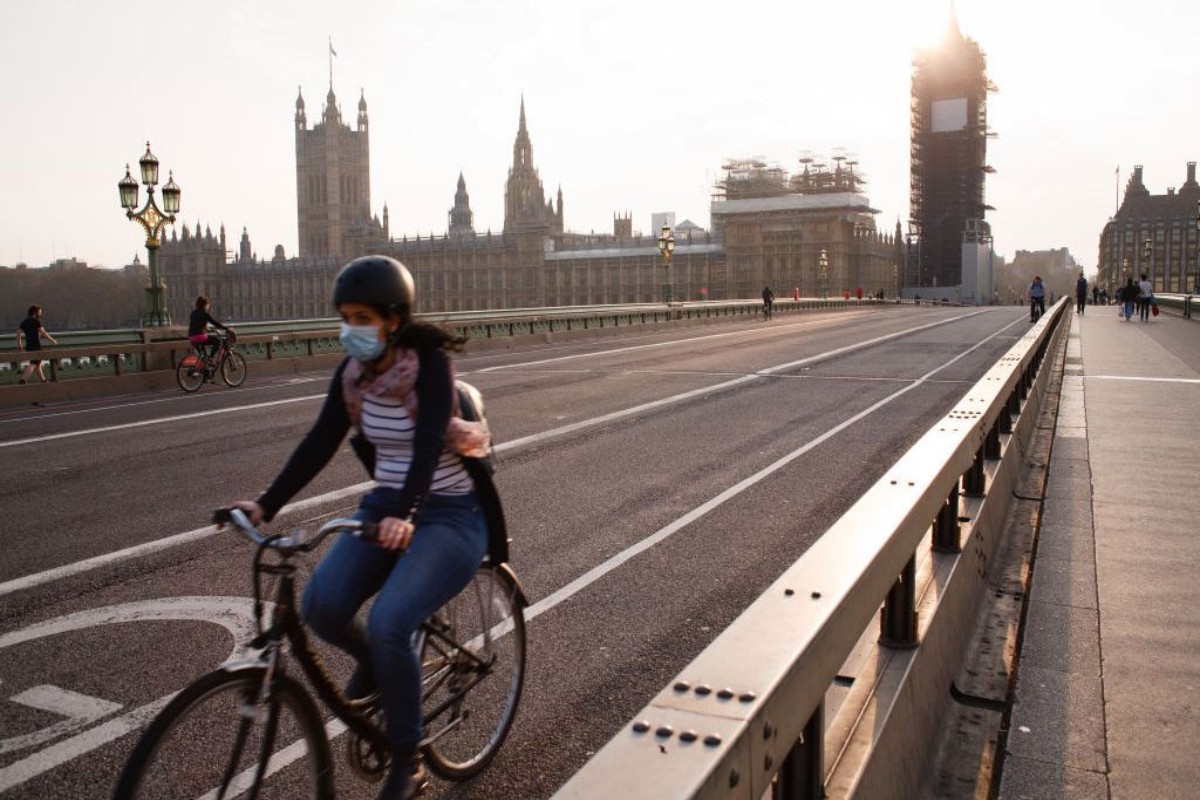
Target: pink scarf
{"x": 469, "y": 439}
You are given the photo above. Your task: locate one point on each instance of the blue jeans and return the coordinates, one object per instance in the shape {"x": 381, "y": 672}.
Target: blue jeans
{"x": 446, "y": 550}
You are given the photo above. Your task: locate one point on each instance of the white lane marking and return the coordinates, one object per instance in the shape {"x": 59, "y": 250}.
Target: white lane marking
{"x": 267, "y": 404}
{"x": 80, "y": 711}
{"x": 293, "y": 752}
{"x": 235, "y": 614}
{"x": 78, "y": 567}
{"x": 47, "y": 576}
{"x": 600, "y": 570}
{"x": 690, "y": 340}
{"x": 720, "y": 387}
{"x": 157, "y": 401}
{"x": 1136, "y": 378}
{"x": 159, "y": 421}
{"x": 56, "y": 755}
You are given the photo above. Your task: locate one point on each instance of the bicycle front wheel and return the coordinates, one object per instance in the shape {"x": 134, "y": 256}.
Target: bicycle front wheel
{"x": 189, "y": 374}
{"x": 473, "y": 668}
{"x": 224, "y": 737}
{"x": 233, "y": 369}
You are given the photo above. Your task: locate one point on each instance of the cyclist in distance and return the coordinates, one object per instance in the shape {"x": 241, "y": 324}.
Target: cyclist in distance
{"x": 198, "y": 327}
{"x": 397, "y": 389}
{"x": 1037, "y": 298}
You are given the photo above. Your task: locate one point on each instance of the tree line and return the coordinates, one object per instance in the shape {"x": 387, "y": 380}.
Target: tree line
{"x": 74, "y": 298}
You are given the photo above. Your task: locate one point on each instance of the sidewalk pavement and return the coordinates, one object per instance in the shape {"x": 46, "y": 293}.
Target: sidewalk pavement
{"x": 1108, "y": 680}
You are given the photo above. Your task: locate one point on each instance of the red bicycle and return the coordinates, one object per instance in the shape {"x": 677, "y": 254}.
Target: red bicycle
{"x": 197, "y": 369}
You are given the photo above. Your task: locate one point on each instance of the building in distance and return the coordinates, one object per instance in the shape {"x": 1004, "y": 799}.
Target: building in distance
{"x": 1154, "y": 234}
{"x": 758, "y": 239}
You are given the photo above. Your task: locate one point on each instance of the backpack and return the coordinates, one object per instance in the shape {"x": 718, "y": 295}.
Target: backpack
{"x": 470, "y": 408}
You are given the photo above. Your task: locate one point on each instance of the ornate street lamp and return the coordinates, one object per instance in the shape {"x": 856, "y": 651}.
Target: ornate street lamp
{"x": 666, "y": 246}
{"x": 152, "y": 221}
{"x": 823, "y": 265}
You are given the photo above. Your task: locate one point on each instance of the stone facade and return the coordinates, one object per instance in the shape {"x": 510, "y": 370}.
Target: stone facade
{"x": 1167, "y": 222}
{"x": 533, "y": 261}
{"x": 333, "y": 181}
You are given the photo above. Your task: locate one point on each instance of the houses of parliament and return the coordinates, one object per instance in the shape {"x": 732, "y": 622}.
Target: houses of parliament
{"x": 811, "y": 230}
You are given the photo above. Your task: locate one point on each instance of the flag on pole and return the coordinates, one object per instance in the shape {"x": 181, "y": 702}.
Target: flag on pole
{"x": 332, "y": 52}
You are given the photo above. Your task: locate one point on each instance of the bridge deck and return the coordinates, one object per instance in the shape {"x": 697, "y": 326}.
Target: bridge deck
{"x": 1109, "y": 678}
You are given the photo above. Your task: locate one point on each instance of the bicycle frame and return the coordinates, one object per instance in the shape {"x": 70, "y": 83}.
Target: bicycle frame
{"x": 286, "y": 625}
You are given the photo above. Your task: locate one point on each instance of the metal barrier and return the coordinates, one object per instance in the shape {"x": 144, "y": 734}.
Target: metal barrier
{"x": 98, "y": 353}
{"x": 747, "y": 717}
{"x": 1183, "y": 304}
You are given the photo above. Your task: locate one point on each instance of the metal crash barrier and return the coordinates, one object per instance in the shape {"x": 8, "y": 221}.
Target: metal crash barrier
{"x": 746, "y": 719}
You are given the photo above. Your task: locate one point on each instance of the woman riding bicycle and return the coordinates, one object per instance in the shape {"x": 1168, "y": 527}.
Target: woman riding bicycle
{"x": 198, "y": 327}
{"x": 397, "y": 389}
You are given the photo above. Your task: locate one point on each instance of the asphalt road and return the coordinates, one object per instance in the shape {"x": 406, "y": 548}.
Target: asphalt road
{"x": 679, "y": 471}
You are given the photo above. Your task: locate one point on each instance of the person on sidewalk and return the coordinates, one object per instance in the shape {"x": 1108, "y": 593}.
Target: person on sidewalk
{"x": 29, "y": 338}
{"x": 1037, "y": 298}
{"x": 1081, "y": 290}
{"x": 1127, "y": 295}
{"x": 1145, "y": 295}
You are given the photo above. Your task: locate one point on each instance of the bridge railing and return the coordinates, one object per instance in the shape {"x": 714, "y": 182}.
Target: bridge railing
{"x": 1183, "y": 304}
{"x": 746, "y": 720}
{"x": 123, "y": 352}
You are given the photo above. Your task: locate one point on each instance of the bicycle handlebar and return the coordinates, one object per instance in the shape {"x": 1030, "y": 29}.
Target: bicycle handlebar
{"x": 294, "y": 542}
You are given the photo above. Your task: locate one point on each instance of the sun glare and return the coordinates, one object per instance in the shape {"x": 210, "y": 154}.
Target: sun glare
{"x": 925, "y": 21}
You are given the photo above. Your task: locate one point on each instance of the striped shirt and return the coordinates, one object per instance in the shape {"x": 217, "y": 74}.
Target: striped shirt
{"x": 388, "y": 426}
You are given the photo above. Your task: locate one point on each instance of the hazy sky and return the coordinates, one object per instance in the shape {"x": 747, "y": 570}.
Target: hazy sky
{"x": 631, "y": 106}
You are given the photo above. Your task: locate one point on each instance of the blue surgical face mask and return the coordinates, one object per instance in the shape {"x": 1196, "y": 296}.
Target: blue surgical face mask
{"x": 362, "y": 342}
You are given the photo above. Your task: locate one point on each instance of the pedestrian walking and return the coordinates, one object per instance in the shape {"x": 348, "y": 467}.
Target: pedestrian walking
{"x": 1127, "y": 295}
{"x": 1037, "y": 298}
{"x": 1081, "y": 290}
{"x": 29, "y": 338}
{"x": 1144, "y": 296}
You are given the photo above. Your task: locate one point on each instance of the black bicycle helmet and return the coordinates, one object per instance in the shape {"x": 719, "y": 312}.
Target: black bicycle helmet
{"x": 376, "y": 281}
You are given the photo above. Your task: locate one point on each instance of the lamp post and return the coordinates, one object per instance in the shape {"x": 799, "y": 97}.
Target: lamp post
{"x": 666, "y": 246}
{"x": 152, "y": 221}
{"x": 823, "y": 266}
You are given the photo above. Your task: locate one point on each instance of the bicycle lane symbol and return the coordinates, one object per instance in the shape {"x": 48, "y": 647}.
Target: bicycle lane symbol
{"x": 235, "y": 614}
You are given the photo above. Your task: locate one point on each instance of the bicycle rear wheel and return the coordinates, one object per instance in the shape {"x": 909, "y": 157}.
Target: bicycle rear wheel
{"x": 473, "y": 668}
{"x": 233, "y": 369}
{"x": 219, "y": 738}
{"x": 190, "y": 374}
